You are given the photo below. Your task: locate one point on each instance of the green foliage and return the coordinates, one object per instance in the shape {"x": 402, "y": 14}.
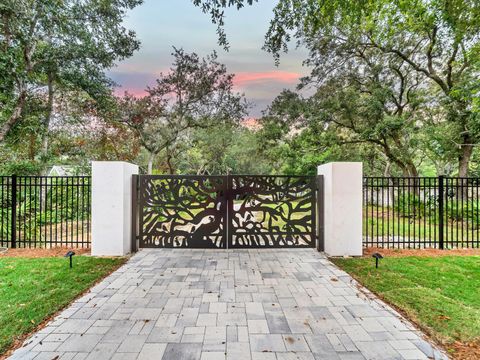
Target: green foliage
{"x": 215, "y": 9}
{"x": 468, "y": 211}
{"x": 219, "y": 150}
{"x": 21, "y": 167}
{"x": 54, "y": 56}
{"x": 387, "y": 70}
{"x": 46, "y": 209}
{"x": 196, "y": 94}
{"x": 409, "y": 204}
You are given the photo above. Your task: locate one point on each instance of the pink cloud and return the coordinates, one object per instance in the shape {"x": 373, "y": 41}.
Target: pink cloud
{"x": 120, "y": 91}
{"x": 243, "y": 78}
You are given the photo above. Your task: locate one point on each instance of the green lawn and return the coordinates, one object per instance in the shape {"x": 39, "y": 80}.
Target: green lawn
{"x": 384, "y": 222}
{"x": 31, "y": 290}
{"x": 440, "y": 294}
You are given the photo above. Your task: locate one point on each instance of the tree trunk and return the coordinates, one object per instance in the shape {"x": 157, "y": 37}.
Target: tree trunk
{"x": 48, "y": 115}
{"x": 412, "y": 169}
{"x": 151, "y": 157}
{"x": 466, "y": 150}
{"x": 31, "y": 146}
{"x": 15, "y": 116}
{"x": 171, "y": 170}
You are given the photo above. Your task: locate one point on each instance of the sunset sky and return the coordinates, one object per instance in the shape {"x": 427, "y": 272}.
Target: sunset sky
{"x": 161, "y": 24}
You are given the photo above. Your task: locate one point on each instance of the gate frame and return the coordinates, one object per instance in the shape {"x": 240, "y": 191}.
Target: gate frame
{"x": 313, "y": 204}
{"x": 317, "y": 206}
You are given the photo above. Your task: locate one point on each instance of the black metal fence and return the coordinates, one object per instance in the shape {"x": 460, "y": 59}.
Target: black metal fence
{"x": 425, "y": 212}
{"x": 45, "y": 211}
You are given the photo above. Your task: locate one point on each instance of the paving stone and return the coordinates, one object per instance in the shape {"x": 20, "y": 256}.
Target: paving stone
{"x": 46, "y": 346}
{"x": 277, "y": 323}
{"x": 207, "y": 320}
{"x": 102, "y": 351}
{"x": 232, "y": 333}
{"x": 165, "y": 335}
{"x": 215, "y": 334}
{"x": 212, "y": 355}
{"x": 218, "y": 307}
{"x": 412, "y": 354}
{"x": 254, "y": 311}
{"x": 74, "y": 326}
{"x": 132, "y": 343}
{"x": 152, "y": 351}
{"x": 238, "y": 319}
{"x": 263, "y": 356}
{"x": 259, "y": 304}
{"x": 146, "y": 314}
{"x": 258, "y": 327}
{"x": 320, "y": 346}
{"x": 237, "y": 350}
{"x": 242, "y": 332}
{"x": 80, "y": 343}
{"x": 125, "y": 356}
{"x": 182, "y": 352}
{"x": 295, "y": 343}
{"x": 351, "y": 356}
{"x": 48, "y": 355}
{"x": 357, "y": 333}
{"x": 267, "y": 342}
{"x": 377, "y": 350}
{"x": 118, "y": 332}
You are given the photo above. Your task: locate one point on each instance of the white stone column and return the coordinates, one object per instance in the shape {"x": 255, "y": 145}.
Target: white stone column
{"x": 342, "y": 208}
{"x": 112, "y": 207}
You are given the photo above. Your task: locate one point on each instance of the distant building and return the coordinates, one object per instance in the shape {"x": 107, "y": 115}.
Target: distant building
{"x": 66, "y": 170}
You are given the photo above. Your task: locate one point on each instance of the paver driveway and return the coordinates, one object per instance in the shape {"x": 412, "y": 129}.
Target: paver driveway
{"x": 279, "y": 304}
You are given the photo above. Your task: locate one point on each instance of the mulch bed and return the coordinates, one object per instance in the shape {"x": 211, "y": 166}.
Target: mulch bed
{"x": 40, "y": 252}
{"x": 469, "y": 351}
{"x": 420, "y": 252}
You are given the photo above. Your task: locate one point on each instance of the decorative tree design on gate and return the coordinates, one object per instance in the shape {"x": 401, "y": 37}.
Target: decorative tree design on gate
{"x": 182, "y": 211}
{"x": 272, "y": 211}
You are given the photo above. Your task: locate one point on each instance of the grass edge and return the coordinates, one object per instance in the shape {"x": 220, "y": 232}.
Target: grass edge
{"x": 18, "y": 341}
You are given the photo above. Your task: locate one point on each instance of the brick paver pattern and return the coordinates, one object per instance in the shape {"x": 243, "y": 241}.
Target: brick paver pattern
{"x": 261, "y": 304}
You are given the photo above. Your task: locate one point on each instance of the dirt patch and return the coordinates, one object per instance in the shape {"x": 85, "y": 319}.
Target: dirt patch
{"x": 39, "y": 252}
{"x": 420, "y": 252}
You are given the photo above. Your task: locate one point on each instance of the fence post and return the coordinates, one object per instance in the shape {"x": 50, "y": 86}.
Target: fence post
{"x": 320, "y": 214}
{"x": 440, "y": 210}
{"x": 134, "y": 213}
{"x": 342, "y": 185}
{"x": 14, "y": 212}
{"x": 112, "y": 207}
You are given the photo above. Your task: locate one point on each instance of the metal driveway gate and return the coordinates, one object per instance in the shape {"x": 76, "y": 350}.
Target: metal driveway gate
{"x": 233, "y": 211}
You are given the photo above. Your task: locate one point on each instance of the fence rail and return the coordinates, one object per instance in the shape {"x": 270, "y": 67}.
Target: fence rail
{"x": 424, "y": 212}
{"x": 45, "y": 211}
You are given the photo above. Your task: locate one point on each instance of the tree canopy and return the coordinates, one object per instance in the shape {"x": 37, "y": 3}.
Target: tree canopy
{"x": 51, "y": 47}
{"x": 196, "y": 93}
{"x": 437, "y": 42}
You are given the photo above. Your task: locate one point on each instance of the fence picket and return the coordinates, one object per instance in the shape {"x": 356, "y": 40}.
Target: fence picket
{"x": 423, "y": 212}
{"x": 37, "y": 211}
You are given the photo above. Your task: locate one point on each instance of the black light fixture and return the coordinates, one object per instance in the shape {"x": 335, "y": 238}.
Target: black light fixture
{"x": 70, "y": 255}
{"x": 377, "y": 257}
